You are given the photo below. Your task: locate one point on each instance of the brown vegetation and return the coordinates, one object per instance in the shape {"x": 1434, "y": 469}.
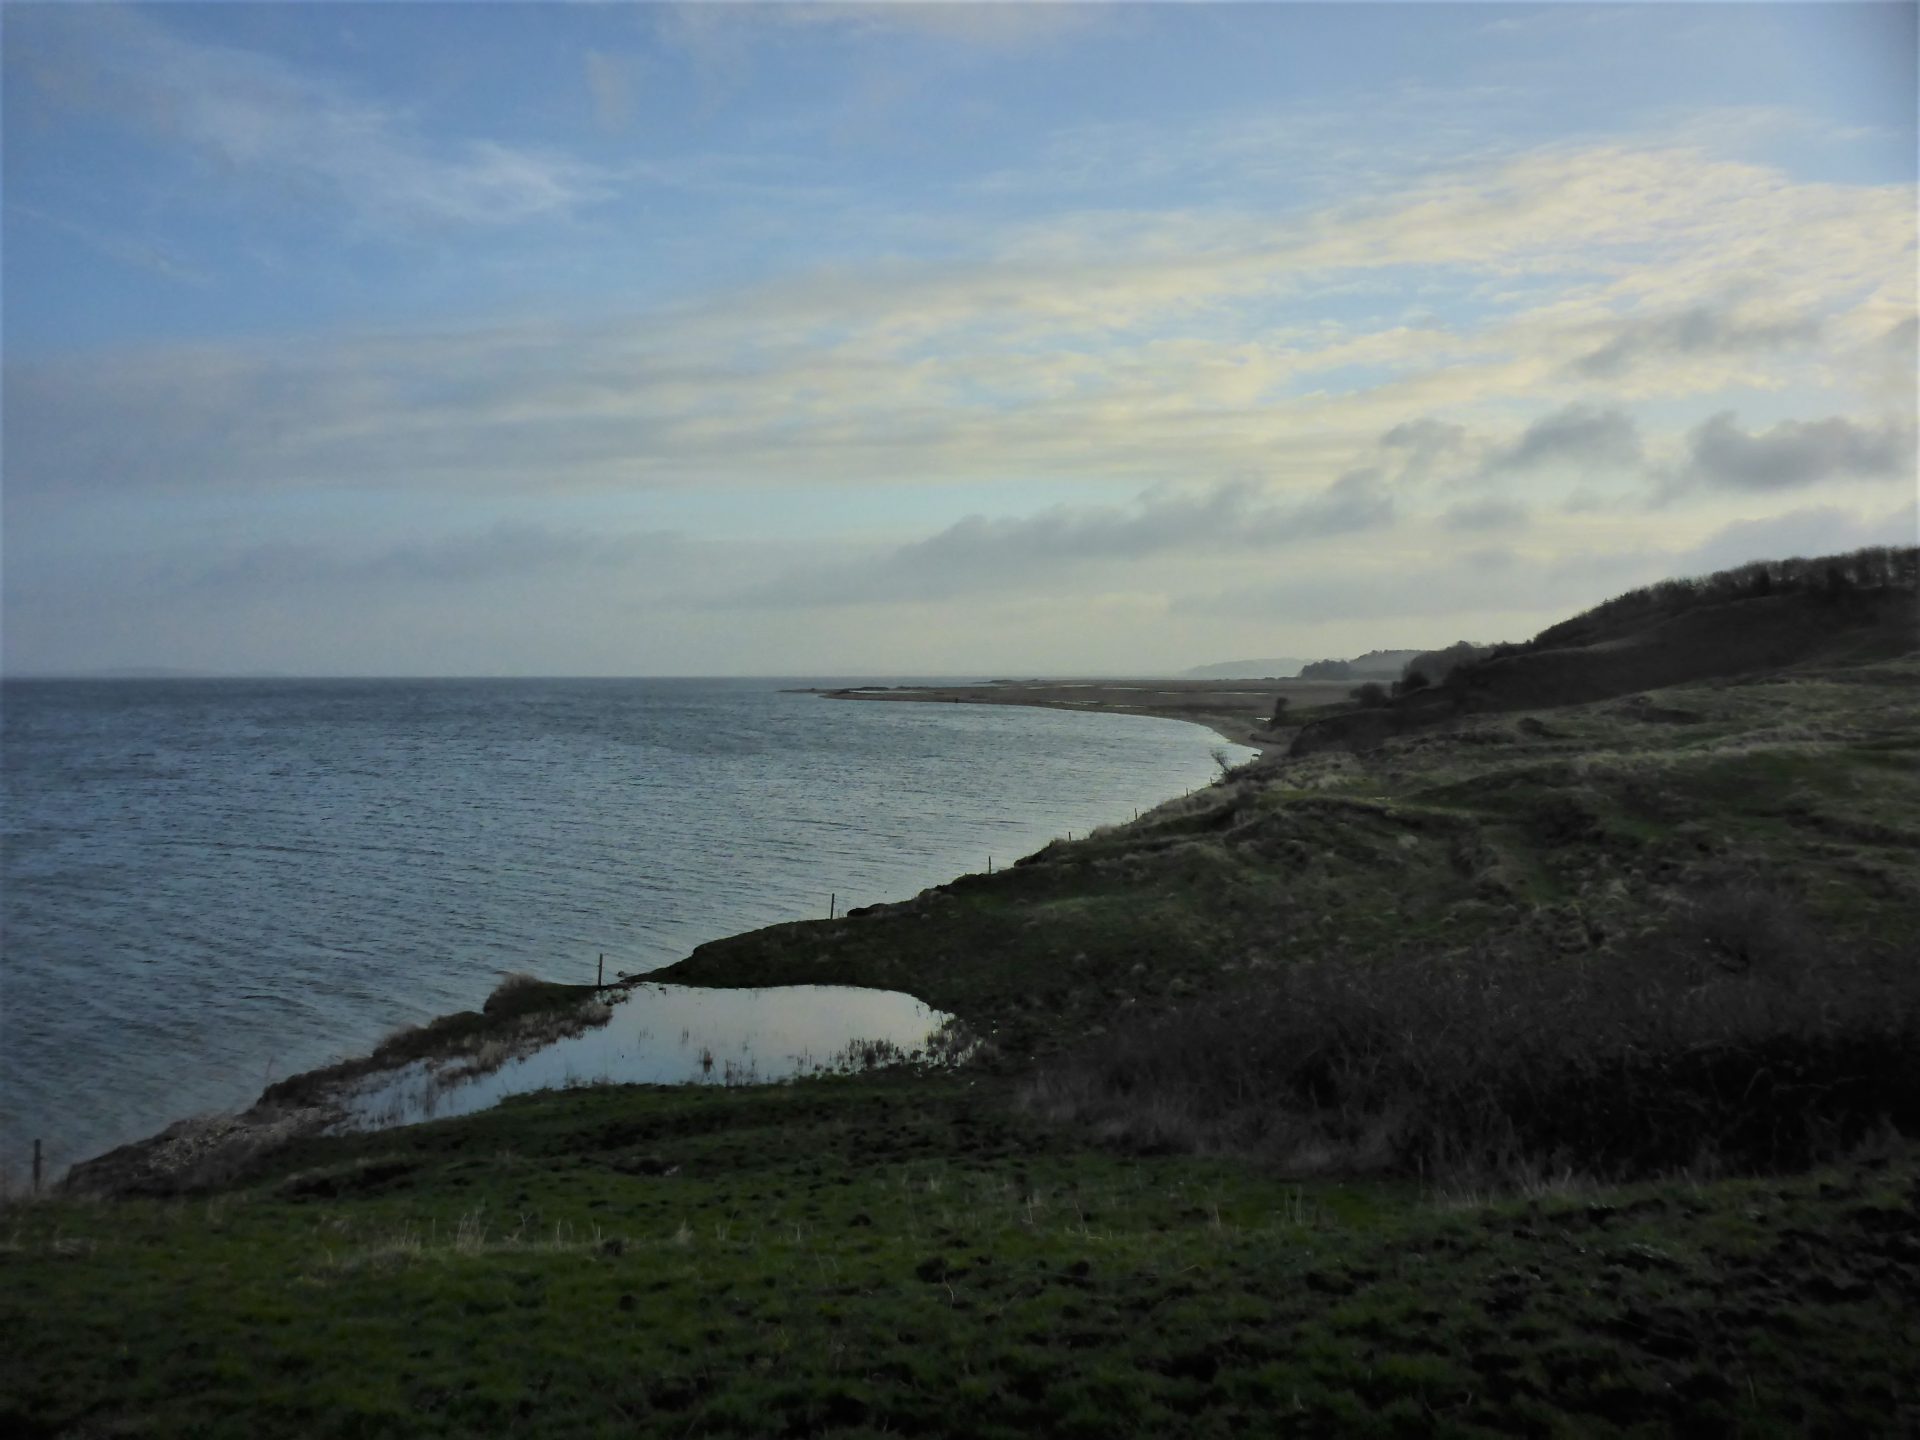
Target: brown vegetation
{"x": 1733, "y": 1035}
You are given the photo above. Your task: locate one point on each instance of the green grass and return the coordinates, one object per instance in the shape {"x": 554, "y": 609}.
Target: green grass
{"x": 908, "y": 1256}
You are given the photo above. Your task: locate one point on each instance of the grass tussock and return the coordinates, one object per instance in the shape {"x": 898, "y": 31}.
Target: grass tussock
{"x": 1734, "y": 1036}
{"x": 514, "y": 991}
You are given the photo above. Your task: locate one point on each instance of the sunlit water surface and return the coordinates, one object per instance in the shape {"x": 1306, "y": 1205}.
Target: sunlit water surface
{"x": 213, "y": 884}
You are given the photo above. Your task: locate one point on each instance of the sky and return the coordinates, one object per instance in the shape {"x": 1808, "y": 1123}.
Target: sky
{"x": 495, "y": 339}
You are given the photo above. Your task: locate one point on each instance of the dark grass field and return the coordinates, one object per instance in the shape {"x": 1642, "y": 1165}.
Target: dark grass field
{"x": 900, "y": 1255}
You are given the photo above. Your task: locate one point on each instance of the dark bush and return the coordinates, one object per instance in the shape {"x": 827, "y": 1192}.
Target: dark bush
{"x": 1371, "y": 695}
{"x": 1734, "y": 1034}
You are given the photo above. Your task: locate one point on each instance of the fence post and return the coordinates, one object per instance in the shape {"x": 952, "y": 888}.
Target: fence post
{"x": 600, "y": 973}
{"x": 833, "y": 900}
{"x": 36, "y": 1167}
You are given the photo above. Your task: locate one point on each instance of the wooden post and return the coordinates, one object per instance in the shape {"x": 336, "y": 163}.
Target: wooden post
{"x": 833, "y": 899}
{"x": 600, "y": 973}
{"x": 36, "y": 1167}
{"x": 989, "y": 864}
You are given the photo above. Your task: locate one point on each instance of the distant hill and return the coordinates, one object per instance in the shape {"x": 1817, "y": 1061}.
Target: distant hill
{"x": 1374, "y": 665}
{"x": 1766, "y": 616}
{"x": 1284, "y": 668}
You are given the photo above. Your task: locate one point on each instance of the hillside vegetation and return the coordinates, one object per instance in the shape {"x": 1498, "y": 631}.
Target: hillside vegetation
{"x": 1545, "y": 1069}
{"x": 1766, "y": 616}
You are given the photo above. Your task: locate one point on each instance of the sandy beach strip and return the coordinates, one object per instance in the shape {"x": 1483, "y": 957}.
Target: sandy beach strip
{"x": 1236, "y": 710}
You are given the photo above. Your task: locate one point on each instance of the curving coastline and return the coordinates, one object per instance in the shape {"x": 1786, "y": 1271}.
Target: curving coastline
{"x": 262, "y": 909}
{"x": 1237, "y": 711}
{"x": 199, "y": 1151}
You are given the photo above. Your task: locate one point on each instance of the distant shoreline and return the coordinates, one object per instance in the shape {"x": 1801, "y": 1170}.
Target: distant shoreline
{"x": 1235, "y": 710}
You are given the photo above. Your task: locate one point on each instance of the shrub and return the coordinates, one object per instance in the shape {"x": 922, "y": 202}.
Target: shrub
{"x": 1370, "y": 695}
{"x": 515, "y": 987}
{"x": 1733, "y": 1032}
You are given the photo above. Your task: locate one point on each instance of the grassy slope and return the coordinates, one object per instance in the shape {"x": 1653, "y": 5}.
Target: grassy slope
{"x": 887, "y": 1256}
{"x": 1441, "y": 840}
{"x": 915, "y": 1254}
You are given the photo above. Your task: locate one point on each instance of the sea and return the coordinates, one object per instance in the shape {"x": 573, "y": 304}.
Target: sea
{"x": 213, "y": 884}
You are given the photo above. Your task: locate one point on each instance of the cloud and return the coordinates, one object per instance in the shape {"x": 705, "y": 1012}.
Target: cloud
{"x": 507, "y": 550}
{"x": 1797, "y": 452}
{"x": 1550, "y": 579}
{"x": 1579, "y": 437}
{"x": 1815, "y": 530}
{"x": 130, "y": 250}
{"x": 1476, "y": 516}
{"x": 1423, "y": 445}
{"x": 254, "y": 118}
{"x": 610, "y": 85}
{"x": 990, "y": 24}
{"x": 982, "y": 553}
{"x": 1118, "y": 347}
{"x": 1488, "y": 581}
{"x": 1902, "y": 338}
{"x": 1000, "y": 25}
{"x": 1696, "y": 330}
{"x": 1358, "y": 500}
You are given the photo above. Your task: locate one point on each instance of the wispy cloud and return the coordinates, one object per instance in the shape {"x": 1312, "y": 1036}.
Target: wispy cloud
{"x": 1477, "y": 516}
{"x": 1528, "y": 586}
{"x": 1579, "y": 437}
{"x": 1128, "y": 357}
{"x": 1696, "y": 330}
{"x": 250, "y": 117}
{"x": 611, "y": 82}
{"x": 734, "y": 32}
{"x": 127, "y": 249}
{"x": 991, "y": 24}
{"x": 1161, "y": 356}
{"x": 992, "y": 554}
{"x": 504, "y": 551}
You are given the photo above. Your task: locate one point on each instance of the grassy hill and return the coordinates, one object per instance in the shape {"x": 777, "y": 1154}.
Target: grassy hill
{"x": 1547, "y": 1070}
{"x": 1764, "y": 617}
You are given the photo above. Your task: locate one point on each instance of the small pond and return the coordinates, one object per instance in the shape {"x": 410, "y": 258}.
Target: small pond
{"x": 672, "y": 1035}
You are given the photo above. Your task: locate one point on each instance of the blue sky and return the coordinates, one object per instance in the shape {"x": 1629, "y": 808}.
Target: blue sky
{"x": 922, "y": 338}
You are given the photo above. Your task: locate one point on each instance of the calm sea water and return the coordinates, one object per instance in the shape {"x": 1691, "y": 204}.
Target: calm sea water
{"x": 211, "y": 884}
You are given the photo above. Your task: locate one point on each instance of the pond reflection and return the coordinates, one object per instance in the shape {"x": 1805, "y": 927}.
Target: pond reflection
{"x": 671, "y": 1035}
